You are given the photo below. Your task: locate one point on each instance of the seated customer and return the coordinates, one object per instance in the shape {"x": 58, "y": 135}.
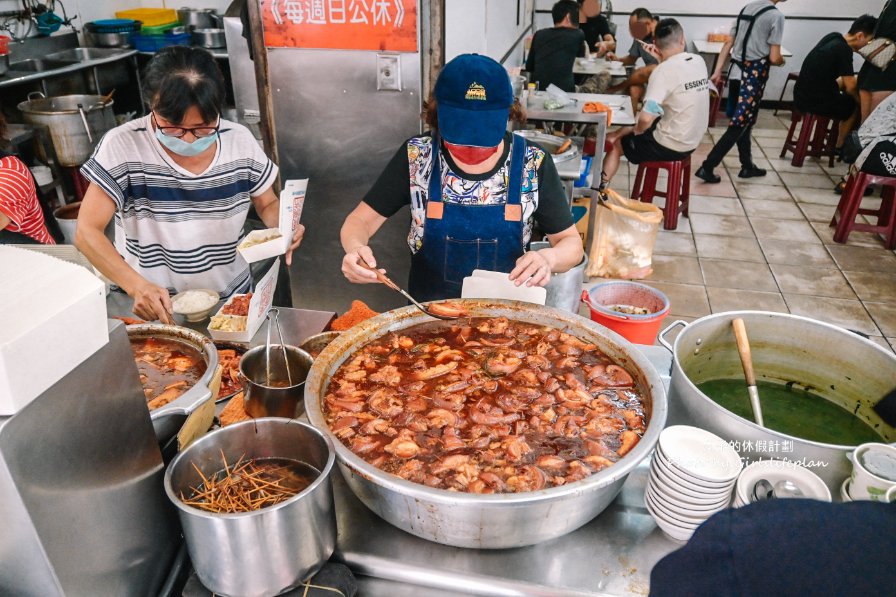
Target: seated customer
{"x": 642, "y": 26}
{"x": 877, "y": 136}
{"x": 596, "y": 27}
{"x": 553, "y": 51}
{"x": 21, "y": 213}
{"x": 676, "y": 107}
{"x": 827, "y": 83}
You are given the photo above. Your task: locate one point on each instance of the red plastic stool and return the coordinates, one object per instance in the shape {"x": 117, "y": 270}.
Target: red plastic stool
{"x": 790, "y": 77}
{"x": 678, "y": 188}
{"x": 715, "y": 102}
{"x": 850, "y": 207}
{"x": 817, "y": 138}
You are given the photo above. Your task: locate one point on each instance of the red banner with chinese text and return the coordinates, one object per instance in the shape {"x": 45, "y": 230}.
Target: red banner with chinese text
{"x": 383, "y": 25}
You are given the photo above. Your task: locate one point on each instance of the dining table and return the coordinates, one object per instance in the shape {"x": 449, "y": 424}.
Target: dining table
{"x": 593, "y": 66}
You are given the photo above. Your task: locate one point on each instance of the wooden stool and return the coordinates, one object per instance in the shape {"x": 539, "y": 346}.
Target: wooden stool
{"x": 817, "y": 138}
{"x": 790, "y": 77}
{"x": 850, "y": 207}
{"x": 678, "y": 188}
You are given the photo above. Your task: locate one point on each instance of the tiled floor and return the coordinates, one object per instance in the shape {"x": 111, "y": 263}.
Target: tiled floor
{"x": 765, "y": 243}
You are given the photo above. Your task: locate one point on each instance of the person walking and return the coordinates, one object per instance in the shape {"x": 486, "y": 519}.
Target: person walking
{"x": 755, "y": 46}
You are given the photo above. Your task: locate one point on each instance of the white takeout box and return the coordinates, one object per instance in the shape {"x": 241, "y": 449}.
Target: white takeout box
{"x": 292, "y": 199}
{"x": 54, "y": 318}
{"x": 497, "y": 285}
{"x": 259, "y": 305}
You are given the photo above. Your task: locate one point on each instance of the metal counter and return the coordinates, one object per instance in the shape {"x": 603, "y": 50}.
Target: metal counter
{"x": 611, "y": 555}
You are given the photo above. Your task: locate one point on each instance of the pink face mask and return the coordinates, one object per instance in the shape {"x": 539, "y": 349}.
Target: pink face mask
{"x": 471, "y": 155}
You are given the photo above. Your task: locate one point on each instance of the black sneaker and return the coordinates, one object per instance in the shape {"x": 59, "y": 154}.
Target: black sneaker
{"x": 751, "y": 171}
{"x": 707, "y": 175}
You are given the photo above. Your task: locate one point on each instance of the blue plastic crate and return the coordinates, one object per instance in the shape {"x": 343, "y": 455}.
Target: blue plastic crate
{"x": 154, "y": 43}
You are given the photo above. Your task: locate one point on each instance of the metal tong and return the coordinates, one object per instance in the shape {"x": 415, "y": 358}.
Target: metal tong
{"x": 388, "y": 282}
{"x": 273, "y": 318}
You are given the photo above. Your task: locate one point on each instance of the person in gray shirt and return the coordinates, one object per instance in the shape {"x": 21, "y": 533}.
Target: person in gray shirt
{"x": 755, "y": 45}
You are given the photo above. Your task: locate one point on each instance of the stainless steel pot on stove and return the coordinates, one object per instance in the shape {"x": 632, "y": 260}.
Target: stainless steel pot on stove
{"x": 76, "y": 122}
{"x": 834, "y": 363}
{"x": 167, "y": 420}
{"x": 486, "y": 521}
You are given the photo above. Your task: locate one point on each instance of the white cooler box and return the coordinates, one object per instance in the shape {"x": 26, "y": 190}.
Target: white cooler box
{"x": 54, "y": 317}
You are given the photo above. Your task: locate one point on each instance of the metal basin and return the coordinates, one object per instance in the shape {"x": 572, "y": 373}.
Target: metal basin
{"x": 834, "y": 363}
{"x": 76, "y": 122}
{"x": 167, "y": 420}
{"x": 487, "y": 521}
{"x": 39, "y": 65}
{"x": 81, "y": 54}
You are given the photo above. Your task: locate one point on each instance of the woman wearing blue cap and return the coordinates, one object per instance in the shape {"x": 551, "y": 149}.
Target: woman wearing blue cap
{"x": 473, "y": 206}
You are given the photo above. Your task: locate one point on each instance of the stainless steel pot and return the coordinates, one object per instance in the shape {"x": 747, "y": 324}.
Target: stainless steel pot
{"x": 199, "y": 18}
{"x": 266, "y": 401}
{"x": 564, "y": 290}
{"x": 267, "y": 551}
{"x": 486, "y": 521}
{"x": 76, "y": 122}
{"x": 209, "y": 38}
{"x": 167, "y": 420}
{"x": 834, "y": 363}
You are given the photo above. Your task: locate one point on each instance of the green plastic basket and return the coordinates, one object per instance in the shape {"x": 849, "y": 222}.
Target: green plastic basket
{"x": 158, "y": 29}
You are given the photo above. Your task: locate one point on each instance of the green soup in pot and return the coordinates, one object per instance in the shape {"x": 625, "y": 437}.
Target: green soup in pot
{"x": 793, "y": 411}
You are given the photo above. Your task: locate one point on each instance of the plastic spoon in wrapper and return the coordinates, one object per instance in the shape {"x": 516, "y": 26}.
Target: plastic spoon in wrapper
{"x": 746, "y": 359}
{"x": 388, "y": 282}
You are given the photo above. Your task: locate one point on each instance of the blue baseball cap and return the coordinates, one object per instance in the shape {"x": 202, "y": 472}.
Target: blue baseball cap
{"x": 473, "y": 97}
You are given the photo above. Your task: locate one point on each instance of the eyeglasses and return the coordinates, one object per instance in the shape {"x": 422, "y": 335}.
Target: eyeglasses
{"x": 180, "y": 131}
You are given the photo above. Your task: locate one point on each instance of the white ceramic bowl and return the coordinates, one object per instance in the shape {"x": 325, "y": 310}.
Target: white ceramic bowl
{"x": 779, "y": 470}
{"x": 682, "y": 473}
{"x": 663, "y": 511}
{"x": 677, "y": 479}
{"x": 699, "y": 453}
{"x": 684, "y": 512}
{"x": 844, "y": 491}
{"x": 201, "y": 314}
{"x": 671, "y": 530}
{"x": 670, "y": 495}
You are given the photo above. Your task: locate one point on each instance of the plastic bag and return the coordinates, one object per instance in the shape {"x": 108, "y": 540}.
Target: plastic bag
{"x": 624, "y": 236}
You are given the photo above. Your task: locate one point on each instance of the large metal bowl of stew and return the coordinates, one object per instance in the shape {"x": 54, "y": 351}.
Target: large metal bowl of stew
{"x": 479, "y": 517}
{"x": 175, "y": 365}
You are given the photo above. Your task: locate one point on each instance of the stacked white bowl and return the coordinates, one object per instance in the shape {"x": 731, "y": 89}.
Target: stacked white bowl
{"x": 691, "y": 478}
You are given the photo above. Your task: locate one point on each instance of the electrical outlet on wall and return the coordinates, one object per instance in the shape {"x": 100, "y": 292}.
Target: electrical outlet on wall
{"x": 388, "y": 72}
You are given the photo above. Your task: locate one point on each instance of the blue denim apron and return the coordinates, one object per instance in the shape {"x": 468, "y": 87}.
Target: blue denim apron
{"x": 459, "y": 238}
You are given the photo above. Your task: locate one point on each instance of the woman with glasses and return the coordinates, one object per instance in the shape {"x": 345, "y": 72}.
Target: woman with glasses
{"x": 179, "y": 183}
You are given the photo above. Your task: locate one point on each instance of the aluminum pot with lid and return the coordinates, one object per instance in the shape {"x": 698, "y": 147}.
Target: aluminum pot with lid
{"x": 76, "y": 122}
{"x": 487, "y": 521}
{"x": 168, "y": 419}
{"x": 834, "y": 363}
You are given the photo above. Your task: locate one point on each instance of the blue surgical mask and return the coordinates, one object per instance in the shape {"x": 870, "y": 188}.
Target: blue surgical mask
{"x": 181, "y": 147}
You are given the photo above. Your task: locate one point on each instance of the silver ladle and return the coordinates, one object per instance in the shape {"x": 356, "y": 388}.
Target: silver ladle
{"x": 785, "y": 488}
{"x": 273, "y": 318}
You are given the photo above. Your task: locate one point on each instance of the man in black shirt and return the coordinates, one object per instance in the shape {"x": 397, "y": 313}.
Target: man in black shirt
{"x": 596, "y": 27}
{"x": 553, "y": 52}
{"x": 827, "y": 83}
{"x": 642, "y": 27}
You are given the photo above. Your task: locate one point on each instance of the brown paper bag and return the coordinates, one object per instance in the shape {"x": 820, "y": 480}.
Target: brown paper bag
{"x": 624, "y": 236}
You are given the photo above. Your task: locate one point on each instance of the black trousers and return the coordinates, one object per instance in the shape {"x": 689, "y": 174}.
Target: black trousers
{"x": 735, "y": 135}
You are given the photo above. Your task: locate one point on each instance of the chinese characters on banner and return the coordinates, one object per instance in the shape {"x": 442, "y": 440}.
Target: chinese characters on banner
{"x": 381, "y": 25}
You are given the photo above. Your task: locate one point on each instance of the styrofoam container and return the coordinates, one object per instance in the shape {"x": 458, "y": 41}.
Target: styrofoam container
{"x": 259, "y": 305}
{"x": 699, "y": 453}
{"x": 54, "y": 318}
{"x": 292, "y": 200}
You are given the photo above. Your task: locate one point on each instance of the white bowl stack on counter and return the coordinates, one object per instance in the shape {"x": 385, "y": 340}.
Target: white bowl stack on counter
{"x": 691, "y": 478}
{"x": 776, "y": 472}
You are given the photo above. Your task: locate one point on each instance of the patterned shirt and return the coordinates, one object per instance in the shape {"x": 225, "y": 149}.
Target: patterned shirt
{"x": 879, "y": 126}
{"x": 177, "y": 229}
{"x": 18, "y": 201}
{"x": 543, "y": 198}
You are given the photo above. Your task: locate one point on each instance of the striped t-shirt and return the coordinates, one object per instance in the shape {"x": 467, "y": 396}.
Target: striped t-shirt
{"x": 18, "y": 201}
{"x": 177, "y": 229}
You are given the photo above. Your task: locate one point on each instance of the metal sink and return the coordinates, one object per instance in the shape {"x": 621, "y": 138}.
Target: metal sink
{"x": 82, "y": 54}
{"x": 39, "y": 65}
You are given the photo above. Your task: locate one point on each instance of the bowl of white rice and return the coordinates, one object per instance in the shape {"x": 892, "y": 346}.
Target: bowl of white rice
{"x": 195, "y": 305}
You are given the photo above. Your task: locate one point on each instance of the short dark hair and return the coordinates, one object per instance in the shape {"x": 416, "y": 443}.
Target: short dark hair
{"x": 642, "y": 14}
{"x": 563, "y": 8}
{"x": 865, "y": 24}
{"x": 180, "y": 77}
{"x": 668, "y": 32}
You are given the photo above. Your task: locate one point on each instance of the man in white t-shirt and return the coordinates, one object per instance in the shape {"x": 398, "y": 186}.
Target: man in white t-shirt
{"x": 676, "y": 107}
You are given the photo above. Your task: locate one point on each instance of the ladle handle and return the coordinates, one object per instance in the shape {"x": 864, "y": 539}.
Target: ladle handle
{"x": 743, "y": 348}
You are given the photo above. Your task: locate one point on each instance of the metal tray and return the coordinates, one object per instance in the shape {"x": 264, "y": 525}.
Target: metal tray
{"x": 551, "y": 143}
